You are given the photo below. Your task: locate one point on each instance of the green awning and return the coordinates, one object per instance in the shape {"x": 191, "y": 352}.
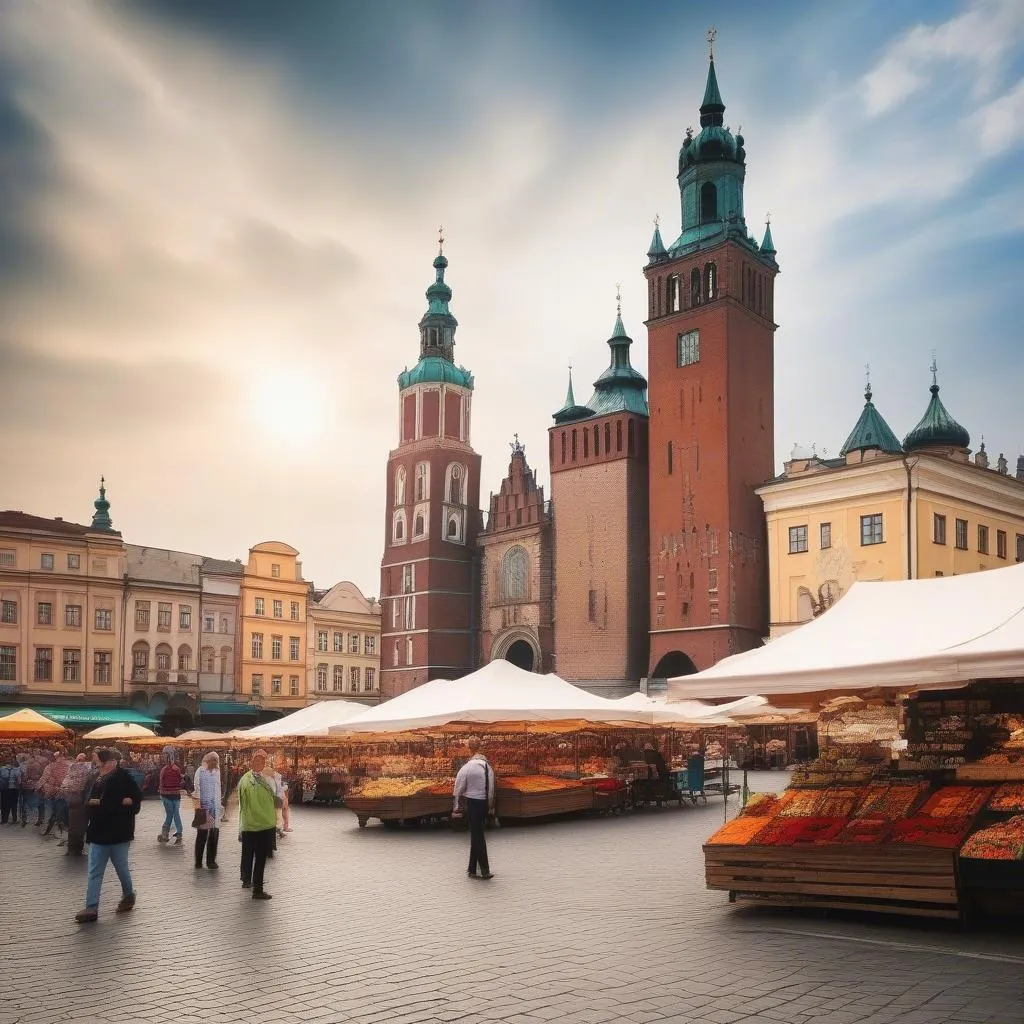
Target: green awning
{"x": 94, "y": 716}
{"x": 227, "y": 707}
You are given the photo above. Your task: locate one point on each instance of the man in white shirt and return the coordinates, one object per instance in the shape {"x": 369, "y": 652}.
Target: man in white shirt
{"x": 475, "y": 785}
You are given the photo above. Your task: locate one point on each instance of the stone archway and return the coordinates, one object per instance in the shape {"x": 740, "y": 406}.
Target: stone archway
{"x": 519, "y": 647}
{"x": 520, "y": 654}
{"x": 673, "y": 664}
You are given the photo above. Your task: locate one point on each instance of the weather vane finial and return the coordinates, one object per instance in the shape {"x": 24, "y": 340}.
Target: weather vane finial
{"x": 935, "y": 369}
{"x": 618, "y": 299}
{"x": 711, "y": 37}
{"x": 867, "y": 381}
{"x": 440, "y": 240}
{"x": 768, "y": 218}
{"x": 657, "y": 220}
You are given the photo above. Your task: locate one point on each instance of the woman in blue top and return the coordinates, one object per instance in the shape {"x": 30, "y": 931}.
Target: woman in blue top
{"x": 206, "y": 794}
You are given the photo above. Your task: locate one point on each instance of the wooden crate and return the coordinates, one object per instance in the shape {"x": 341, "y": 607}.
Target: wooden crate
{"x": 886, "y": 879}
{"x": 399, "y": 808}
{"x": 511, "y": 803}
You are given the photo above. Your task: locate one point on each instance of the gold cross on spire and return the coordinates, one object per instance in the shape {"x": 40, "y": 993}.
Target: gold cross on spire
{"x": 711, "y": 36}
{"x": 440, "y": 240}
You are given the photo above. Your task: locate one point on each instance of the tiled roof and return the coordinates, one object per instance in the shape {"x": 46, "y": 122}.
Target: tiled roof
{"x": 13, "y": 520}
{"x": 222, "y": 565}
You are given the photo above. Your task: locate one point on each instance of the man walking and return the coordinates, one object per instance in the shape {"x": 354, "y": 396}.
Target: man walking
{"x": 475, "y": 785}
{"x": 49, "y": 791}
{"x": 74, "y": 788}
{"x": 10, "y": 787}
{"x": 111, "y": 804}
{"x": 257, "y": 823}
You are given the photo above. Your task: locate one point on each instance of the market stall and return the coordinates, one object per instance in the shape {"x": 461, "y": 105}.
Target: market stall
{"x": 916, "y": 802}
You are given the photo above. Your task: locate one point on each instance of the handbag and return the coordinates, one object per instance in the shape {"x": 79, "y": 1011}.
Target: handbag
{"x": 199, "y": 818}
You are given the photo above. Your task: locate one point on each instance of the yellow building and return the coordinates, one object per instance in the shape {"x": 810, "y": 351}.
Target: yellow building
{"x": 344, "y": 645}
{"x": 61, "y": 610}
{"x": 887, "y": 511}
{"x": 274, "y": 599}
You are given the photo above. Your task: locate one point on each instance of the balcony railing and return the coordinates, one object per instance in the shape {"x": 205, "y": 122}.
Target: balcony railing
{"x": 188, "y": 678}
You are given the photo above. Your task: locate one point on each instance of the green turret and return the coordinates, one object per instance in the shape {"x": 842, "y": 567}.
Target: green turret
{"x": 937, "y": 428}
{"x": 570, "y": 411}
{"x": 871, "y": 432}
{"x": 620, "y": 388}
{"x": 101, "y": 517}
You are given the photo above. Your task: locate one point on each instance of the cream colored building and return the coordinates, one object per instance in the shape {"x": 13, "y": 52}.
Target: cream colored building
{"x": 343, "y": 645}
{"x": 885, "y": 511}
{"x": 61, "y": 609}
{"x": 273, "y": 602}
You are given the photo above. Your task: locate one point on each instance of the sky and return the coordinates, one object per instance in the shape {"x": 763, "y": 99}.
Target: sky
{"x": 217, "y": 222}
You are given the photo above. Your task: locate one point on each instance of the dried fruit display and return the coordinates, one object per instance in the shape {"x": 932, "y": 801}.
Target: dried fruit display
{"x": 799, "y": 803}
{"x": 376, "y": 788}
{"x": 760, "y": 805}
{"x": 537, "y": 783}
{"x": 864, "y": 830}
{"x": 1003, "y": 841}
{"x": 838, "y": 802}
{"x": 779, "y": 831}
{"x": 738, "y": 832}
{"x": 1008, "y": 797}
{"x": 944, "y": 833}
{"x": 956, "y": 802}
{"x": 890, "y": 802}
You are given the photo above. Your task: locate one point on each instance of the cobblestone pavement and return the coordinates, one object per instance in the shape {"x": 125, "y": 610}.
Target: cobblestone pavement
{"x": 589, "y": 920}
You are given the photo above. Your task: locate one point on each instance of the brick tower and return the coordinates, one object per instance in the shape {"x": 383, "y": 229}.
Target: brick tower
{"x": 711, "y": 365}
{"x": 428, "y": 608}
{"x": 598, "y": 459}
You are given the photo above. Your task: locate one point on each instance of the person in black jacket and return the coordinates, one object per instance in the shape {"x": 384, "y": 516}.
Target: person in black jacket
{"x": 111, "y": 804}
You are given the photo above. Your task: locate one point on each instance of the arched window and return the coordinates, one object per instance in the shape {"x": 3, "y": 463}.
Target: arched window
{"x": 209, "y": 659}
{"x": 394, "y": 660}
{"x": 419, "y": 526}
{"x": 563, "y": 446}
{"x": 400, "y": 485}
{"x": 618, "y": 435}
{"x": 455, "y": 485}
{"x": 607, "y": 439}
{"x": 422, "y": 481}
{"x": 708, "y": 202}
{"x": 398, "y": 527}
{"x": 408, "y": 650}
{"x": 574, "y": 446}
{"x": 339, "y": 678}
{"x": 670, "y": 458}
{"x": 184, "y": 662}
{"x": 586, "y": 443}
{"x": 321, "y": 676}
{"x": 163, "y": 662}
{"x": 710, "y": 281}
{"x": 453, "y": 528}
{"x": 140, "y": 661}
{"x": 514, "y": 583}
{"x": 674, "y": 294}
{"x": 695, "y": 287}
{"x": 597, "y": 441}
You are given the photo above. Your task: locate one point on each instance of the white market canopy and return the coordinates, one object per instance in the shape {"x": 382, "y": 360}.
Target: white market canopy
{"x": 691, "y": 712}
{"x": 315, "y": 720}
{"x": 498, "y": 692}
{"x": 904, "y": 633}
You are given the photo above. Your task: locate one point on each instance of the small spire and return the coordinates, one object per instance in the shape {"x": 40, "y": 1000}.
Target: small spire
{"x": 712, "y": 108}
{"x": 768, "y": 243}
{"x": 712, "y": 35}
{"x": 867, "y": 382}
{"x": 657, "y": 248}
{"x": 101, "y": 517}
{"x": 935, "y": 374}
{"x": 570, "y": 398}
{"x": 440, "y": 240}
{"x": 517, "y": 447}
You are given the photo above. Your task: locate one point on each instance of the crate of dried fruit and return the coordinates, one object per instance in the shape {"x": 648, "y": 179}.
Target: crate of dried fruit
{"x": 401, "y": 800}
{"x": 542, "y": 796}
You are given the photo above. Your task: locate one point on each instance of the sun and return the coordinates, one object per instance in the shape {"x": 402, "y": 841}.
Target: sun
{"x": 287, "y": 406}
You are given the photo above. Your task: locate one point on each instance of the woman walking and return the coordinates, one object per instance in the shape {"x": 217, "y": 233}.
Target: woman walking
{"x": 206, "y": 794}
{"x": 169, "y": 788}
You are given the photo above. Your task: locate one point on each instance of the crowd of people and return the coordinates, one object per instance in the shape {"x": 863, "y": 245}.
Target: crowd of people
{"x": 89, "y": 803}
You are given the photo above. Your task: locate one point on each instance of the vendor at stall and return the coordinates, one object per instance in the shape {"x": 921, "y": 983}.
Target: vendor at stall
{"x": 655, "y": 760}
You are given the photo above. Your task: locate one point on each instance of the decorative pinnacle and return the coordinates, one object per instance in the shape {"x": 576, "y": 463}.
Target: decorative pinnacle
{"x": 618, "y": 299}
{"x": 657, "y": 220}
{"x": 935, "y": 370}
{"x": 712, "y": 35}
{"x": 768, "y": 219}
{"x": 867, "y": 382}
{"x": 517, "y": 447}
{"x": 440, "y": 240}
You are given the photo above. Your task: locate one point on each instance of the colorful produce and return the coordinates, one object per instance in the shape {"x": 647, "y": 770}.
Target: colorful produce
{"x": 864, "y": 830}
{"x": 376, "y": 788}
{"x": 780, "y": 831}
{"x": 738, "y": 832}
{"x": 799, "y": 803}
{"x": 889, "y": 802}
{"x": 1003, "y": 841}
{"x": 944, "y": 833}
{"x": 956, "y": 802}
{"x": 536, "y": 783}
{"x": 837, "y": 802}
{"x": 760, "y": 805}
{"x": 1008, "y": 797}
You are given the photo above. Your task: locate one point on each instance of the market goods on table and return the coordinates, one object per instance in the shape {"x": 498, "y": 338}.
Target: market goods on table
{"x": 739, "y": 831}
{"x": 1008, "y": 797}
{"x": 760, "y": 804}
{"x": 890, "y": 801}
{"x": 956, "y": 802}
{"x": 1001, "y": 841}
{"x": 944, "y": 833}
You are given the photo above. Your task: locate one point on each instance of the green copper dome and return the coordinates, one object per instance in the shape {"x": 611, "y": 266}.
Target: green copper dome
{"x": 620, "y": 388}
{"x": 101, "y": 517}
{"x": 435, "y": 369}
{"x": 871, "y": 432}
{"x": 715, "y": 141}
{"x": 937, "y": 428}
{"x": 570, "y": 411}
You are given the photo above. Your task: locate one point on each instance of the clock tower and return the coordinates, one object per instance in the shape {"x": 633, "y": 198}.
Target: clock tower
{"x": 710, "y": 334}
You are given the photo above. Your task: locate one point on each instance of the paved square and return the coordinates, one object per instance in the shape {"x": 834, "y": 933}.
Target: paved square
{"x": 589, "y": 920}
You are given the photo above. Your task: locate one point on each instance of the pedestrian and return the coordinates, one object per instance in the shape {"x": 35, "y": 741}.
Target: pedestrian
{"x": 169, "y": 788}
{"x": 49, "y": 790}
{"x": 80, "y": 776}
{"x": 10, "y": 787}
{"x": 32, "y": 799}
{"x": 257, "y": 824}
{"x": 474, "y": 798}
{"x": 24, "y": 795}
{"x": 206, "y": 795}
{"x": 276, "y": 783}
{"x": 113, "y": 801}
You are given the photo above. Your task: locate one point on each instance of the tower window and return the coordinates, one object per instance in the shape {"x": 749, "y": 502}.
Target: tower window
{"x": 514, "y": 582}
{"x": 563, "y": 446}
{"x": 618, "y": 435}
{"x": 455, "y": 485}
{"x": 597, "y": 441}
{"x": 419, "y": 526}
{"x": 630, "y": 438}
{"x": 574, "y": 446}
{"x": 708, "y": 202}
{"x": 688, "y": 348}
{"x": 674, "y": 294}
{"x": 670, "y": 458}
{"x": 400, "y": 485}
{"x": 710, "y": 281}
{"x": 695, "y": 287}
{"x": 586, "y": 443}
{"x": 422, "y": 481}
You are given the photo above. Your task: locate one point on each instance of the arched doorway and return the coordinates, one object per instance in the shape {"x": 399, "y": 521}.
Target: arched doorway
{"x": 520, "y": 654}
{"x": 673, "y": 664}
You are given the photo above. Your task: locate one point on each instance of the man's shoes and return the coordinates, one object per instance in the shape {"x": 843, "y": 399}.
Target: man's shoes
{"x": 177, "y": 839}
{"x": 213, "y": 865}
{"x": 246, "y": 885}
{"x": 262, "y": 896}
{"x": 87, "y": 916}
{"x": 472, "y": 874}
{"x": 487, "y": 875}
{"x": 126, "y": 904}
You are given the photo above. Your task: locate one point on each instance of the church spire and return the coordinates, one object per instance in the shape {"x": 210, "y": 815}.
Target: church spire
{"x": 712, "y": 109}
{"x": 657, "y": 249}
{"x": 767, "y": 244}
{"x": 101, "y": 517}
{"x": 570, "y": 410}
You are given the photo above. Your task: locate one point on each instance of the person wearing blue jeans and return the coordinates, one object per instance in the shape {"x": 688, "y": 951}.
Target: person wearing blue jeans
{"x": 169, "y": 787}
{"x": 111, "y": 804}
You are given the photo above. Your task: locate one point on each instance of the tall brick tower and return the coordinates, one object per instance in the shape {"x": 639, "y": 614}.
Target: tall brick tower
{"x": 711, "y": 365}
{"x": 598, "y": 459}
{"x": 428, "y": 621}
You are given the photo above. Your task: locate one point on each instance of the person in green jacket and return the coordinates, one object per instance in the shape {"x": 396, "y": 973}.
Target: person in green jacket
{"x": 257, "y": 823}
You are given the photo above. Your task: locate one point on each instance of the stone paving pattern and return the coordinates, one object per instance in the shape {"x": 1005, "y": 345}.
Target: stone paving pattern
{"x": 590, "y": 920}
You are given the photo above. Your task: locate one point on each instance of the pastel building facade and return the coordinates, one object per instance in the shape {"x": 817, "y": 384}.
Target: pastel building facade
{"x": 343, "y": 645}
